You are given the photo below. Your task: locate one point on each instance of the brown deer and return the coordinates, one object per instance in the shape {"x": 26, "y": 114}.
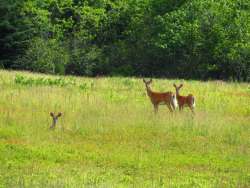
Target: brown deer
{"x": 166, "y": 98}
{"x": 54, "y": 119}
{"x": 184, "y": 101}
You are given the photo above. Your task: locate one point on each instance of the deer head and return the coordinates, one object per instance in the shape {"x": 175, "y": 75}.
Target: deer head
{"x": 177, "y": 88}
{"x": 54, "y": 119}
{"x": 147, "y": 83}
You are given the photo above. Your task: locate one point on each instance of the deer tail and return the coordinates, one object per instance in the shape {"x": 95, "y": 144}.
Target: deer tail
{"x": 193, "y": 101}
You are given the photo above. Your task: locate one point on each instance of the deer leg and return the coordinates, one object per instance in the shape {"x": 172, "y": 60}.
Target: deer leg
{"x": 169, "y": 107}
{"x": 155, "y": 108}
{"x": 192, "y": 109}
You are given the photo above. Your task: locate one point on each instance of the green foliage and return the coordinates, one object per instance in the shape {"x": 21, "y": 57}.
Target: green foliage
{"x": 88, "y": 61}
{"x": 43, "y": 81}
{"x": 22, "y": 80}
{"x": 14, "y": 32}
{"x": 45, "y": 56}
{"x": 198, "y": 39}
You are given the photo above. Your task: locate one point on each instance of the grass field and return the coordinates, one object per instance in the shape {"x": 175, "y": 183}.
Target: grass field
{"x": 108, "y": 135}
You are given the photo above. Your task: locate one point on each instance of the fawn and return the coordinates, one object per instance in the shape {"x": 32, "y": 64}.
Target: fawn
{"x": 166, "y": 98}
{"x": 184, "y": 100}
{"x": 54, "y": 119}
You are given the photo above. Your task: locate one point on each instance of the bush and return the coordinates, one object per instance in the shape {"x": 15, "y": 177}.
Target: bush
{"x": 88, "y": 61}
{"x": 45, "y": 56}
{"x": 43, "y": 81}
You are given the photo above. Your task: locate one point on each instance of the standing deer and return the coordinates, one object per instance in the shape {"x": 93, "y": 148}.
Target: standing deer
{"x": 184, "y": 100}
{"x": 167, "y": 98}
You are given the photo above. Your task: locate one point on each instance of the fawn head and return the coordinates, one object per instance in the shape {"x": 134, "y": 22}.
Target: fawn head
{"x": 54, "y": 116}
{"x": 177, "y": 88}
{"x": 54, "y": 119}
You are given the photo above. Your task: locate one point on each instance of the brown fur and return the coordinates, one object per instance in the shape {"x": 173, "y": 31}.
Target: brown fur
{"x": 157, "y": 98}
{"x": 184, "y": 100}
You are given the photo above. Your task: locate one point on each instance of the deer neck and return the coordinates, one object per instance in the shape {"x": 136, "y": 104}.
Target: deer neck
{"x": 149, "y": 91}
{"x": 177, "y": 93}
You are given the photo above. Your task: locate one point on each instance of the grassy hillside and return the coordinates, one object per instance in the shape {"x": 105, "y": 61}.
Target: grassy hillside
{"x": 108, "y": 135}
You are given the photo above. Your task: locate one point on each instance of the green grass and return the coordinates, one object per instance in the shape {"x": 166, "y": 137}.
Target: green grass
{"x": 109, "y": 136}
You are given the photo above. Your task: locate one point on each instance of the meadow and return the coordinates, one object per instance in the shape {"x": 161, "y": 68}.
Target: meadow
{"x": 108, "y": 135}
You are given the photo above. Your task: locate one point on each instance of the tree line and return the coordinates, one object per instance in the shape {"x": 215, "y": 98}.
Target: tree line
{"x": 192, "y": 39}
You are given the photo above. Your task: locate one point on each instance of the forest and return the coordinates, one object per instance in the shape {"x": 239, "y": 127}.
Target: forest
{"x": 189, "y": 39}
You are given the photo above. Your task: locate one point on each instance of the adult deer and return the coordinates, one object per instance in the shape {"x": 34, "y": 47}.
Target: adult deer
{"x": 166, "y": 98}
{"x": 184, "y": 101}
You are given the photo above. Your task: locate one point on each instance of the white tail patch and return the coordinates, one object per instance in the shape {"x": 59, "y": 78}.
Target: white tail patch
{"x": 193, "y": 105}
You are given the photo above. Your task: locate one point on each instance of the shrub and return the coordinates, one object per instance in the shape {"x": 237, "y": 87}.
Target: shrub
{"x": 45, "y": 56}
{"x": 42, "y": 81}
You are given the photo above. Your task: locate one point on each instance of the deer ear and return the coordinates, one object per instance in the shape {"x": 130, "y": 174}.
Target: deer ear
{"x": 174, "y": 85}
{"x": 144, "y": 80}
{"x": 180, "y": 85}
{"x": 51, "y": 114}
{"x": 59, "y": 114}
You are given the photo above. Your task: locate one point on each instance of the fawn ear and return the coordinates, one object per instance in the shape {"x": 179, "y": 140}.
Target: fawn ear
{"x": 180, "y": 86}
{"x": 144, "y": 80}
{"x": 150, "y": 81}
{"x": 174, "y": 85}
{"x": 51, "y": 114}
{"x": 59, "y": 114}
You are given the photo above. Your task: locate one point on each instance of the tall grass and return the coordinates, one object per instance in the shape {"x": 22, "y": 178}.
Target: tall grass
{"x": 109, "y": 136}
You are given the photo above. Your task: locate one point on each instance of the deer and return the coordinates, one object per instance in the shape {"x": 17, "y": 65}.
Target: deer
{"x": 54, "y": 119}
{"x": 184, "y": 101}
{"x": 157, "y": 98}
